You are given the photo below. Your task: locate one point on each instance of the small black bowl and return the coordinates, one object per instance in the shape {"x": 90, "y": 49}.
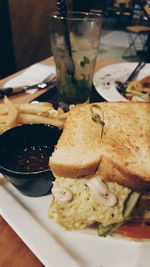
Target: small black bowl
{"x": 21, "y": 140}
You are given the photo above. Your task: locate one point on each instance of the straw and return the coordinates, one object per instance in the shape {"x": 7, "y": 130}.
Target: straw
{"x": 61, "y": 8}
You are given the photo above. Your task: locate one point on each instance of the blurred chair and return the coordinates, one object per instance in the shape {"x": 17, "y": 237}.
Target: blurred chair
{"x": 137, "y": 39}
{"x": 138, "y": 35}
{"x": 147, "y": 10}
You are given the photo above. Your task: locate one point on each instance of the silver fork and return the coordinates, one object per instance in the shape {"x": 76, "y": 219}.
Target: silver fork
{"x": 121, "y": 86}
{"x": 49, "y": 80}
{"x": 43, "y": 84}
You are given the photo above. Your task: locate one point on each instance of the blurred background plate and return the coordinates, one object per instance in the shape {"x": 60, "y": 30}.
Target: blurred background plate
{"x": 104, "y": 79}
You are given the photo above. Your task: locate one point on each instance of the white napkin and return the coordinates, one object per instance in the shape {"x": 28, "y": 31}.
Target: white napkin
{"x": 34, "y": 74}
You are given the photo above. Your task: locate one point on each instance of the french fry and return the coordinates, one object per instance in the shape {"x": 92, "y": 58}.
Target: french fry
{"x": 60, "y": 110}
{"x": 63, "y": 116}
{"x": 3, "y": 119}
{"x": 34, "y": 108}
{"x": 6, "y": 101}
{"x": 11, "y": 116}
{"x": 3, "y": 109}
{"x": 1, "y": 128}
{"x": 53, "y": 113}
{"x": 45, "y": 104}
{"x": 30, "y": 118}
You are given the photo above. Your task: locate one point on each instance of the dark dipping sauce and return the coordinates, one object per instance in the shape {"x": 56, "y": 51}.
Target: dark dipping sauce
{"x": 30, "y": 159}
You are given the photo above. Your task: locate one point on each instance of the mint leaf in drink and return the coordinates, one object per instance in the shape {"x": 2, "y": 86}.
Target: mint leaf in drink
{"x": 75, "y": 91}
{"x": 84, "y": 61}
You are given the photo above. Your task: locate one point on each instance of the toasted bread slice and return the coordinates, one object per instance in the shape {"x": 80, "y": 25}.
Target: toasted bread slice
{"x": 120, "y": 149}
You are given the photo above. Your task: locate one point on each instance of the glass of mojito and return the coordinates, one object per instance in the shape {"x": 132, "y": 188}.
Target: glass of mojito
{"x": 74, "y": 42}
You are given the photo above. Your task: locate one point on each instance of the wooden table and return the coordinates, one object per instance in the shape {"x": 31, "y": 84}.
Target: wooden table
{"x": 13, "y": 251}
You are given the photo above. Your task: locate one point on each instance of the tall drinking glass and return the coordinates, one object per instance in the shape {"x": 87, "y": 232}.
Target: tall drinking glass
{"x": 74, "y": 43}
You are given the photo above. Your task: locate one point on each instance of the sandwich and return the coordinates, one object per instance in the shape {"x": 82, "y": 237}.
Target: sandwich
{"x": 101, "y": 165}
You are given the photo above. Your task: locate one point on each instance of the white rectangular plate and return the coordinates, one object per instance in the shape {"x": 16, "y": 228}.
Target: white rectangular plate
{"x": 56, "y": 247}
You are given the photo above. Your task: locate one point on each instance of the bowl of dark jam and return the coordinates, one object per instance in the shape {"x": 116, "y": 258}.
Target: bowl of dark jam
{"x": 24, "y": 157}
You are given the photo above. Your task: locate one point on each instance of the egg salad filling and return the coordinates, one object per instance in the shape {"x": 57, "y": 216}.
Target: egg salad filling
{"x": 79, "y": 203}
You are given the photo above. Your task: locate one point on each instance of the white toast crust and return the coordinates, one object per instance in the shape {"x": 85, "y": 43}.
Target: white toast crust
{"x": 121, "y": 152}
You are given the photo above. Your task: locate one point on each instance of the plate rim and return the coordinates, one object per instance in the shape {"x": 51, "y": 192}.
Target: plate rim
{"x": 116, "y": 65}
